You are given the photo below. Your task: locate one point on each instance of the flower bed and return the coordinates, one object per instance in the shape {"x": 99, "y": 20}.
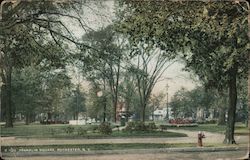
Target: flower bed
{"x": 181, "y": 121}
{"x": 165, "y": 126}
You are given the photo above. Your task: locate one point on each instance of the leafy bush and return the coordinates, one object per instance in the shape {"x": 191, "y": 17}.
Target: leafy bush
{"x": 94, "y": 128}
{"x": 130, "y": 126}
{"x": 163, "y": 127}
{"x": 140, "y": 126}
{"x": 69, "y": 129}
{"x": 213, "y": 121}
{"x": 81, "y": 131}
{"x": 105, "y": 128}
{"x": 151, "y": 126}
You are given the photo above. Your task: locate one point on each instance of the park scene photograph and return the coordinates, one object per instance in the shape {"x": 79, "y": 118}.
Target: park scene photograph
{"x": 124, "y": 80}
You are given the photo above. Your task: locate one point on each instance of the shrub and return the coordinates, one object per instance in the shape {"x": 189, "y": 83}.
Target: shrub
{"x": 130, "y": 126}
{"x": 140, "y": 126}
{"x": 105, "y": 128}
{"x": 81, "y": 131}
{"x": 69, "y": 129}
{"x": 151, "y": 126}
{"x": 94, "y": 128}
{"x": 213, "y": 121}
{"x": 163, "y": 127}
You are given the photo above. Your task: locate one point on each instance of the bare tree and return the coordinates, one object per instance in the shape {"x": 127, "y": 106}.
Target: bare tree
{"x": 148, "y": 66}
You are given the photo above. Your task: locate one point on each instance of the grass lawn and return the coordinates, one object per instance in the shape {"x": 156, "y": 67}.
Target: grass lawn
{"x": 104, "y": 146}
{"x": 204, "y": 127}
{"x": 240, "y": 129}
{"x": 58, "y": 131}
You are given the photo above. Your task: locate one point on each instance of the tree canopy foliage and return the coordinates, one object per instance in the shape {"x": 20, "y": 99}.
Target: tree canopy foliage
{"x": 34, "y": 33}
{"x": 211, "y": 37}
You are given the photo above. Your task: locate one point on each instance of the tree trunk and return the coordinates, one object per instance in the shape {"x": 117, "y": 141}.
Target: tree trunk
{"x": 115, "y": 109}
{"x": 229, "y": 136}
{"x": 127, "y": 111}
{"x": 153, "y": 118}
{"x": 32, "y": 118}
{"x": 248, "y": 155}
{"x": 104, "y": 108}
{"x": 143, "y": 113}
{"x": 222, "y": 113}
{"x": 222, "y": 108}
{"x": 115, "y": 101}
{"x": 105, "y": 101}
{"x": 27, "y": 118}
{"x": 49, "y": 116}
{"x": 9, "y": 116}
{"x": 3, "y": 103}
{"x": 117, "y": 85}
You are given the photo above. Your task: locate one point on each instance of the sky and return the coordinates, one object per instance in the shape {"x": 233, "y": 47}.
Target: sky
{"x": 174, "y": 76}
{"x": 175, "y": 79}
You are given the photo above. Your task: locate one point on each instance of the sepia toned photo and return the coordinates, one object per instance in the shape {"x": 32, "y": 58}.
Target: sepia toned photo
{"x": 124, "y": 79}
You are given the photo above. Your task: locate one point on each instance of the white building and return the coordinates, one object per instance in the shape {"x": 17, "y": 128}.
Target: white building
{"x": 161, "y": 114}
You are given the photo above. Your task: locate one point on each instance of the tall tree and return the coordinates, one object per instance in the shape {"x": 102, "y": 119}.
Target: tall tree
{"x": 128, "y": 93}
{"x": 201, "y": 32}
{"x": 27, "y": 92}
{"x": 188, "y": 103}
{"x": 74, "y": 102}
{"x": 28, "y": 27}
{"x": 148, "y": 65}
{"x": 54, "y": 83}
{"x": 95, "y": 107}
{"x": 105, "y": 62}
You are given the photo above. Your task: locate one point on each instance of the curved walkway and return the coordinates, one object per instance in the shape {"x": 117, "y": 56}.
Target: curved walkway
{"x": 192, "y": 138}
{"x": 210, "y": 137}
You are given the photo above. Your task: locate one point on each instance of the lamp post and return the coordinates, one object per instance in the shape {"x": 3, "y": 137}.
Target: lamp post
{"x": 167, "y": 105}
{"x": 77, "y": 103}
{"x": 167, "y": 116}
{"x": 1, "y": 83}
